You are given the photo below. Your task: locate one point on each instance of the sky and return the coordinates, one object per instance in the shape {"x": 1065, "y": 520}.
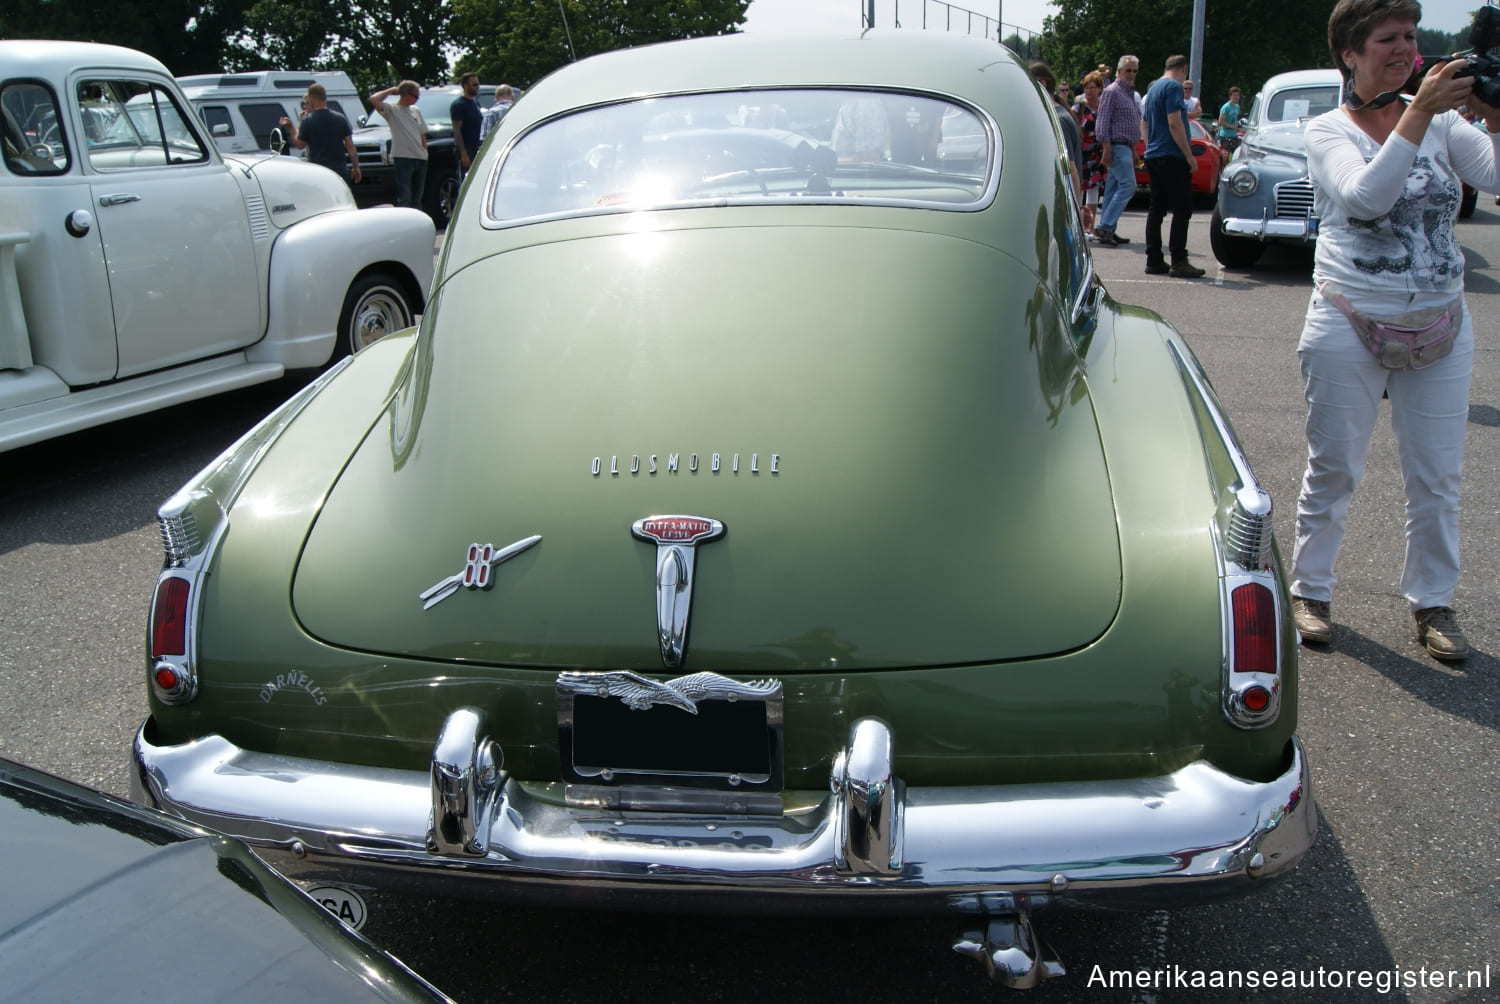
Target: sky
{"x": 812, "y": 16}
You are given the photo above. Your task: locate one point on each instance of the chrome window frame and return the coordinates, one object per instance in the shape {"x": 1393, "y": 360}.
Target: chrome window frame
{"x": 983, "y": 201}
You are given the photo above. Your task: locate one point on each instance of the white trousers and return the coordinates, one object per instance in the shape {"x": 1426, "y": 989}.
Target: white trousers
{"x": 1429, "y": 415}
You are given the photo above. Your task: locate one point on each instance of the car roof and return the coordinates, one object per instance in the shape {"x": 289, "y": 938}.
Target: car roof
{"x": 1303, "y": 78}
{"x": 962, "y": 70}
{"x": 54, "y": 60}
{"x": 262, "y": 82}
{"x": 935, "y": 62}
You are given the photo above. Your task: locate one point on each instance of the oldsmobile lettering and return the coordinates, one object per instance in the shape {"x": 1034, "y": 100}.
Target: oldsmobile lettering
{"x": 653, "y": 463}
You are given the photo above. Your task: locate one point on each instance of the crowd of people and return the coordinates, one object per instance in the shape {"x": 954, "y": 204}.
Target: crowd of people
{"x": 1387, "y": 316}
{"x": 1111, "y": 117}
{"x": 327, "y": 136}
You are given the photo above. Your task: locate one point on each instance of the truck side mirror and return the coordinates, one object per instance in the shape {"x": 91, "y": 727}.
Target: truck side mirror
{"x": 278, "y": 141}
{"x": 221, "y": 129}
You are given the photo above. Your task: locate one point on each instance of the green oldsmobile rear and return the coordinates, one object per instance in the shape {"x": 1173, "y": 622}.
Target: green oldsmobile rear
{"x": 771, "y": 511}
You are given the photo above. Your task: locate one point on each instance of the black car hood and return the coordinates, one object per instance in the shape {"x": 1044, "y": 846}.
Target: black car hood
{"x": 103, "y": 901}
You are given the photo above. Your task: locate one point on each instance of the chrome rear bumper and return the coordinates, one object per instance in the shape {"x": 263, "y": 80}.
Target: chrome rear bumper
{"x": 871, "y": 844}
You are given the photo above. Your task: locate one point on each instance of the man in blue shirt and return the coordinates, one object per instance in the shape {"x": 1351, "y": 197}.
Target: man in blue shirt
{"x": 466, "y": 117}
{"x": 1170, "y": 163}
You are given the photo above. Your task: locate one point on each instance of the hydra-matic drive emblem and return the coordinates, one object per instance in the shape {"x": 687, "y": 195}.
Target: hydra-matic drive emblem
{"x": 478, "y": 570}
{"x": 676, "y": 538}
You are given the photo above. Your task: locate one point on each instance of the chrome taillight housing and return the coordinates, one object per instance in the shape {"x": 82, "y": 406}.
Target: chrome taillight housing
{"x": 173, "y": 679}
{"x": 192, "y": 524}
{"x": 1252, "y": 691}
{"x": 1254, "y": 658}
{"x": 1253, "y": 614}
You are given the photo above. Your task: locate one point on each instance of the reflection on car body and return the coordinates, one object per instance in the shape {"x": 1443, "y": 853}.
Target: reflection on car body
{"x": 105, "y": 900}
{"x": 711, "y": 553}
{"x": 693, "y": 148}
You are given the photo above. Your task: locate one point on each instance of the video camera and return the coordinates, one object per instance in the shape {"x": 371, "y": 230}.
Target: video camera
{"x": 1479, "y": 64}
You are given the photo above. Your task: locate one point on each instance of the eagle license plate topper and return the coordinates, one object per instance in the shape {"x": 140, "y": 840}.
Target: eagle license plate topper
{"x": 697, "y": 731}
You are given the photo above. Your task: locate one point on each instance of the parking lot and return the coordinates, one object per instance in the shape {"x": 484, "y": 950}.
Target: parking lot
{"x": 1402, "y": 882}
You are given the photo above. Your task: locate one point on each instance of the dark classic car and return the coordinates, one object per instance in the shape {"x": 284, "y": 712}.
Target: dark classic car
{"x": 767, "y": 515}
{"x": 105, "y": 900}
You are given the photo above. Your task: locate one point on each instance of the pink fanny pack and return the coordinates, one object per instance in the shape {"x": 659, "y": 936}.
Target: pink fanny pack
{"x": 1411, "y": 341}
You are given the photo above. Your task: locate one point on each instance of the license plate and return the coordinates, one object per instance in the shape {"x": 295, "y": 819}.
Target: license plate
{"x": 697, "y": 731}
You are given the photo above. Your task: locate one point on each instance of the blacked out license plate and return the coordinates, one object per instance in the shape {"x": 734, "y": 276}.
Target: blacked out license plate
{"x": 732, "y": 740}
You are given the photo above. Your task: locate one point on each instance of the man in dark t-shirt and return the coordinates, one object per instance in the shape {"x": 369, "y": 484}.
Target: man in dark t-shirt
{"x": 326, "y": 136}
{"x": 466, "y": 118}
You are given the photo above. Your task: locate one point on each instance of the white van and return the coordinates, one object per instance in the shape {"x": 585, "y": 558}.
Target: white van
{"x": 241, "y": 109}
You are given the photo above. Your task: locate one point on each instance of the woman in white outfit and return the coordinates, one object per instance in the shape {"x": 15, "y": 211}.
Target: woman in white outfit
{"x": 1387, "y": 171}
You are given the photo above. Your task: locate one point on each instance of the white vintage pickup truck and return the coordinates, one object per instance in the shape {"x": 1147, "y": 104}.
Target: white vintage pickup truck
{"x": 140, "y": 268}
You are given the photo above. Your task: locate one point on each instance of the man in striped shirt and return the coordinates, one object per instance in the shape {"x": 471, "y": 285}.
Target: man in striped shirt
{"x": 1117, "y": 126}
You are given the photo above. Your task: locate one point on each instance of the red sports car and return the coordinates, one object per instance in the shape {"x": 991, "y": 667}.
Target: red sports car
{"x": 1211, "y": 159}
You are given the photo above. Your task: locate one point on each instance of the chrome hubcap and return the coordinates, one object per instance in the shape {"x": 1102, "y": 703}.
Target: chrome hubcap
{"x": 381, "y": 311}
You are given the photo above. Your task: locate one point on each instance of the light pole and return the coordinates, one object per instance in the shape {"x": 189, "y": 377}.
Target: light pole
{"x": 1195, "y": 59}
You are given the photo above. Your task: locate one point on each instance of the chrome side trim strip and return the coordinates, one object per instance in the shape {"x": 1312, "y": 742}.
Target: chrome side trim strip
{"x": 1188, "y": 366}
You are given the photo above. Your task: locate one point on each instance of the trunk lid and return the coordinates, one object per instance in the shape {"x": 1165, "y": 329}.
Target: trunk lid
{"x": 908, "y": 471}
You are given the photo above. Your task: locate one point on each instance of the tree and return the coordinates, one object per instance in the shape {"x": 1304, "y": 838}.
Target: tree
{"x": 189, "y": 36}
{"x": 377, "y": 42}
{"x": 1431, "y": 42}
{"x": 521, "y": 41}
{"x": 1243, "y": 44}
{"x": 286, "y": 34}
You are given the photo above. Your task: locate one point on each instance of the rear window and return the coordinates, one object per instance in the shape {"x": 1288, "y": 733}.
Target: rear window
{"x": 31, "y": 130}
{"x": 741, "y": 147}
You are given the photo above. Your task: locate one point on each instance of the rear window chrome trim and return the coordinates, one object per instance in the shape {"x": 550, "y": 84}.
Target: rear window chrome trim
{"x": 983, "y": 201}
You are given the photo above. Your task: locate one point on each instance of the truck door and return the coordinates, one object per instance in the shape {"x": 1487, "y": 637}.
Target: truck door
{"x": 69, "y": 326}
{"x": 177, "y": 241}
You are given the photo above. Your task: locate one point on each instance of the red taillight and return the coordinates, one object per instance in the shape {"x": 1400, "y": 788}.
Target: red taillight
{"x": 169, "y": 618}
{"x": 1256, "y": 698}
{"x": 1254, "y": 611}
{"x": 166, "y": 678}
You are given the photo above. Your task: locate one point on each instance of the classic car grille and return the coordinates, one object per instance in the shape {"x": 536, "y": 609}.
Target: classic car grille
{"x": 260, "y": 223}
{"x": 1294, "y": 198}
